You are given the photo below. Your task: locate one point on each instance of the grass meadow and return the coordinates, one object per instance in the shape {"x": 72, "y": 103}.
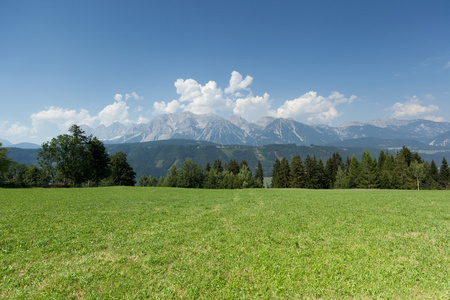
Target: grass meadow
{"x": 165, "y": 243}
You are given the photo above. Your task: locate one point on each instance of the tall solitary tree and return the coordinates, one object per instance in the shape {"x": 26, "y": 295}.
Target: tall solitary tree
{"x": 121, "y": 172}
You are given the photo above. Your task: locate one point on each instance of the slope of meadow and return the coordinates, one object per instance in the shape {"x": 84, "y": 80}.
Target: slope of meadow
{"x": 176, "y": 243}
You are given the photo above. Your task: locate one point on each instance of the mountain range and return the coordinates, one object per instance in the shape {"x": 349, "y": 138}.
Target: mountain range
{"x": 380, "y": 133}
{"x": 268, "y": 130}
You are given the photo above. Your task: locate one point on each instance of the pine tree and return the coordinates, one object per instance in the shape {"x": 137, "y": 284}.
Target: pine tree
{"x": 218, "y": 166}
{"x": 354, "y": 173}
{"x": 259, "y": 175}
{"x": 121, "y": 172}
{"x": 284, "y": 174}
{"x": 276, "y": 174}
{"x": 297, "y": 173}
{"x": 232, "y": 167}
{"x": 444, "y": 174}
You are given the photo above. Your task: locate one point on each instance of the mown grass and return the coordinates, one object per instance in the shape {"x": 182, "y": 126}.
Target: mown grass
{"x": 217, "y": 244}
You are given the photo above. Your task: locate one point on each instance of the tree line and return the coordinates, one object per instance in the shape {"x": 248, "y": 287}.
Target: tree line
{"x": 69, "y": 160}
{"x": 405, "y": 170}
{"x": 231, "y": 175}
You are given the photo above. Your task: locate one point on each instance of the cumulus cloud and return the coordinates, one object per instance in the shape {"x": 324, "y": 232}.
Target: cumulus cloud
{"x": 435, "y": 119}
{"x": 237, "y": 83}
{"x": 17, "y": 129}
{"x": 252, "y": 107}
{"x": 196, "y": 98}
{"x": 116, "y": 112}
{"x": 239, "y": 99}
{"x": 163, "y": 108}
{"x": 411, "y": 108}
{"x": 62, "y": 118}
{"x": 313, "y": 107}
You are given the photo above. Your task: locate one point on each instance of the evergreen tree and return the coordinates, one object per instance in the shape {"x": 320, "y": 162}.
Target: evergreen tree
{"x": 284, "y": 174}
{"x": 207, "y": 167}
{"x": 401, "y": 172}
{"x": 98, "y": 160}
{"x": 218, "y": 166}
{"x": 276, "y": 174}
{"x": 331, "y": 168}
{"x": 354, "y": 173}
{"x": 341, "y": 181}
{"x": 297, "y": 173}
{"x": 232, "y": 167}
{"x": 368, "y": 171}
{"x": 122, "y": 173}
{"x": 432, "y": 176}
{"x": 246, "y": 178}
{"x": 259, "y": 175}
{"x": 444, "y": 174}
{"x": 172, "y": 177}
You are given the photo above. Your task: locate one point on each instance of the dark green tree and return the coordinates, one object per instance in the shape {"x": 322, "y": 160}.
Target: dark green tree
{"x": 76, "y": 157}
{"x": 444, "y": 174}
{"x": 98, "y": 160}
{"x": 276, "y": 174}
{"x": 354, "y": 173}
{"x": 122, "y": 173}
{"x": 171, "y": 179}
{"x": 284, "y": 174}
{"x": 297, "y": 174}
{"x": 4, "y": 160}
{"x": 35, "y": 176}
{"x": 207, "y": 167}
{"x": 143, "y": 181}
{"x": 190, "y": 175}
{"x": 232, "y": 167}
{"x": 259, "y": 175}
{"x": 218, "y": 166}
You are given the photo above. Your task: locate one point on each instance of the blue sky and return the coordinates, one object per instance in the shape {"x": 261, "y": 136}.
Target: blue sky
{"x": 96, "y": 62}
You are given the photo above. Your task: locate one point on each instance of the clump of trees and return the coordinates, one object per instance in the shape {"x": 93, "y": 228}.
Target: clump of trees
{"x": 405, "y": 170}
{"x": 78, "y": 160}
{"x": 230, "y": 175}
{"x": 69, "y": 160}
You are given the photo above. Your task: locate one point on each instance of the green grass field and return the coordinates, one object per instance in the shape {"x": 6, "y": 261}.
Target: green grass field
{"x": 140, "y": 243}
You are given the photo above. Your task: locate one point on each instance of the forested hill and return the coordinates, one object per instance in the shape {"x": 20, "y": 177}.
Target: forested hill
{"x": 155, "y": 158}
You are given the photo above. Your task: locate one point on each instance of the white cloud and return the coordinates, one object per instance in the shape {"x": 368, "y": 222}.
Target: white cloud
{"x": 133, "y": 95}
{"x": 252, "y": 107}
{"x": 202, "y": 99}
{"x": 118, "y": 97}
{"x": 446, "y": 66}
{"x": 163, "y": 108}
{"x": 237, "y": 83}
{"x": 238, "y": 98}
{"x": 411, "y": 108}
{"x": 17, "y": 129}
{"x": 313, "y": 107}
{"x": 435, "y": 118}
{"x": 142, "y": 120}
{"x": 62, "y": 118}
{"x": 116, "y": 112}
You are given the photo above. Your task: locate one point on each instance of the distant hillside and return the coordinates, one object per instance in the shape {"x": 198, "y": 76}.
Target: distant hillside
{"x": 155, "y": 158}
{"x": 370, "y": 142}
